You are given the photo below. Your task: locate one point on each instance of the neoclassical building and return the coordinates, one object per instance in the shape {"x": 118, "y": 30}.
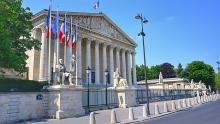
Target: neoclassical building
{"x": 101, "y": 45}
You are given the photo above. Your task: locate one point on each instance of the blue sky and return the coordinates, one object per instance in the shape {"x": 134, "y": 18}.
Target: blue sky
{"x": 179, "y": 31}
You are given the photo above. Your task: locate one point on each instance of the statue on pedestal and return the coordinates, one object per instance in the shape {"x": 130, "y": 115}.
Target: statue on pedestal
{"x": 62, "y": 74}
{"x": 118, "y": 80}
{"x": 60, "y": 69}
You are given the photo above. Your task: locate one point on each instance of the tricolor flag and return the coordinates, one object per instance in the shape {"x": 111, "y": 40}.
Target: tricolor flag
{"x": 55, "y": 24}
{"x": 96, "y": 5}
{"x": 62, "y": 31}
{"x": 69, "y": 36}
{"x": 68, "y": 40}
{"x": 48, "y": 24}
{"x": 74, "y": 38}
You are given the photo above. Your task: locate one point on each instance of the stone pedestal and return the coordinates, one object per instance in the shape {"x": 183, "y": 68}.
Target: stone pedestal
{"x": 65, "y": 101}
{"x": 126, "y": 97}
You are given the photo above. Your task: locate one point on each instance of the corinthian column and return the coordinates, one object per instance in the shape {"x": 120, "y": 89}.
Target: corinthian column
{"x": 104, "y": 62}
{"x": 79, "y": 61}
{"x": 111, "y": 64}
{"x": 88, "y": 57}
{"x": 123, "y": 64}
{"x": 129, "y": 68}
{"x": 118, "y": 59}
{"x": 97, "y": 79}
{"x": 134, "y": 68}
{"x": 42, "y": 55}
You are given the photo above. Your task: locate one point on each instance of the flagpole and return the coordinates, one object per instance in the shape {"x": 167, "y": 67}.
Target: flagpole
{"x": 65, "y": 42}
{"x": 70, "y": 43}
{"x": 76, "y": 55}
{"x": 49, "y": 78}
{"x": 58, "y": 45}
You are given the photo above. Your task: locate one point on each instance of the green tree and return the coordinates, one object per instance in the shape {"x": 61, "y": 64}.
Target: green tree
{"x": 15, "y": 37}
{"x": 179, "y": 70}
{"x": 167, "y": 70}
{"x": 140, "y": 72}
{"x": 152, "y": 72}
{"x": 198, "y": 70}
{"x": 217, "y": 81}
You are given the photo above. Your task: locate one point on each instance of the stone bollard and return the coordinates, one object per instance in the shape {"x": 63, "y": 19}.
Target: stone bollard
{"x": 145, "y": 111}
{"x": 173, "y": 106}
{"x": 92, "y": 118}
{"x": 192, "y": 101}
{"x": 165, "y": 107}
{"x": 188, "y": 103}
{"x": 113, "y": 117}
{"x": 156, "y": 109}
{"x": 195, "y": 100}
{"x": 131, "y": 114}
{"x": 184, "y": 103}
{"x": 178, "y": 104}
{"x": 199, "y": 99}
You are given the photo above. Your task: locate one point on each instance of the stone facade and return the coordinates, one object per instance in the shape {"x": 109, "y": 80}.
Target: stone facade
{"x": 101, "y": 45}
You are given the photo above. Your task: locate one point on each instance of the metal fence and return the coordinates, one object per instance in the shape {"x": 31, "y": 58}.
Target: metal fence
{"x": 94, "y": 99}
{"x": 162, "y": 95}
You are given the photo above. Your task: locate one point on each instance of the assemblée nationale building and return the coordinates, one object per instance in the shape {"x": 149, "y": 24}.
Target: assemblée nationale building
{"x": 101, "y": 45}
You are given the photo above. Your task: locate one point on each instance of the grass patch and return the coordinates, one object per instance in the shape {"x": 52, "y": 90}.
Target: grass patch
{"x": 17, "y": 85}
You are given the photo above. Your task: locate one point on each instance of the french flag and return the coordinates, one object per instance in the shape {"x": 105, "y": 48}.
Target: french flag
{"x": 48, "y": 24}
{"x": 96, "y": 5}
{"x": 74, "y": 38}
{"x": 62, "y": 31}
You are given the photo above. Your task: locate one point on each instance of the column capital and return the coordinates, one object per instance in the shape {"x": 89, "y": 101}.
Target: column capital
{"x": 97, "y": 42}
{"x": 88, "y": 41}
{"x": 111, "y": 46}
{"x": 133, "y": 53}
{"x": 43, "y": 29}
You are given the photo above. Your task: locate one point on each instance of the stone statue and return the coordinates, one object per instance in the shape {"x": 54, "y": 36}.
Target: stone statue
{"x": 60, "y": 69}
{"x": 62, "y": 74}
{"x": 73, "y": 65}
{"x": 116, "y": 77}
{"x": 161, "y": 78}
{"x": 119, "y": 81}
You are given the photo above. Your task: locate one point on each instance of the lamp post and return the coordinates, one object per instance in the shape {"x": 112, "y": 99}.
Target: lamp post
{"x": 88, "y": 71}
{"x": 144, "y": 21}
{"x": 106, "y": 90}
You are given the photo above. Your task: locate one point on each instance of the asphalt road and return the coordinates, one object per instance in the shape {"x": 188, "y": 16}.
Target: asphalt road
{"x": 208, "y": 113}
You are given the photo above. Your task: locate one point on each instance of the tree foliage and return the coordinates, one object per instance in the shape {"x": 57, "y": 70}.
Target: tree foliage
{"x": 181, "y": 72}
{"x": 217, "y": 81}
{"x": 151, "y": 72}
{"x": 15, "y": 37}
{"x": 198, "y": 70}
{"x": 167, "y": 70}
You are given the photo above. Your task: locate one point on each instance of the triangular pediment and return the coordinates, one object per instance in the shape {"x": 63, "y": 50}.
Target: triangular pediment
{"x": 97, "y": 22}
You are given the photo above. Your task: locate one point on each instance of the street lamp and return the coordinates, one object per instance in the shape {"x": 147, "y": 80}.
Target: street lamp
{"x": 144, "y": 21}
{"x": 106, "y": 90}
{"x": 88, "y": 71}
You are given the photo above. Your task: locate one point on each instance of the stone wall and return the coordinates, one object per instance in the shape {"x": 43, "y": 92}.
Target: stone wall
{"x": 18, "y": 106}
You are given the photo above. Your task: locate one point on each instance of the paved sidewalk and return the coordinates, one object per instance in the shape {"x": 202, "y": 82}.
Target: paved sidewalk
{"x": 103, "y": 116}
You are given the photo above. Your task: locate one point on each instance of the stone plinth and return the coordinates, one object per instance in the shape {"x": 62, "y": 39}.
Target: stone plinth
{"x": 126, "y": 97}
{"x": 65, "y": 101}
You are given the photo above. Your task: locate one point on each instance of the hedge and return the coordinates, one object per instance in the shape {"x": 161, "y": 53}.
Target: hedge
{"x": 17, "y": 85}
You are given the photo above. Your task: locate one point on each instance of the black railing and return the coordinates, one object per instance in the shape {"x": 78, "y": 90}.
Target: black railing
{"x": 162, "y": 95}
{"x": 97, "y": 99}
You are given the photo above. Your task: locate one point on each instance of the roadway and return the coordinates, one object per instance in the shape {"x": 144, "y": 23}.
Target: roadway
{"x": 208, "y": 113}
